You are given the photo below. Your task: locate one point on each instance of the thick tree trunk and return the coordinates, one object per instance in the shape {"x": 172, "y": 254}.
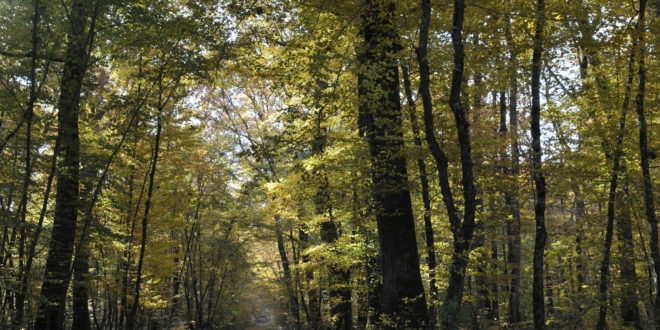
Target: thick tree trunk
{"x": 374, "y": 286}
{"x": 56, "y": 280}
{"x": 426, "y": 200}
{"x": 378, "y": 88}
{"x": 537, "y": 172}
{"x": 81, "y": 288}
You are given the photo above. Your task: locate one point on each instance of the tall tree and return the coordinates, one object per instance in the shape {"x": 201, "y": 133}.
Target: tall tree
{"x": 537, "y": 171}
{"x": 380, "y": 118}
{"x": 649, "y": 208}
{"x": 29, "y": 114}
{"x": 617, "y": 153}
{"x": 161, "y": 103}
{"x": 426, "y": 199}
{"x": 81, "y": 29}
{"x": 511, "y": 197}
{"x": 463, "y": 231}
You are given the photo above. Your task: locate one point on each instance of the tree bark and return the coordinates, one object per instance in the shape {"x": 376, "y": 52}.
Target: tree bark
{"x": 404, "y": 301}
{"x": 288, "y": 281}
{"x": 130, "y": 322}
{"x": 511, "y": 198}
{"x": 649, "y": 208}
{"x": 56, "y": 279}
{"x": 29, "y": 112}
{"x": 426, "y": 200}
{"x": 462, "y": 231}
{"x": 537, "y": 172}
{"x": 629, "y": 308}
{"x": 340, "y": 291}
{"x": 617, "y": 153}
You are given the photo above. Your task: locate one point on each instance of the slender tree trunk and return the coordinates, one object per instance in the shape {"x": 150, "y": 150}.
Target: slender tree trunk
{"x": 29, "y": 112}
{"x": 493, "y": 301}
{"x": 340, "y": 291}
{"x": 293, "y": 300}
{"x": 426, "y": 200}
{"x": 313, "y": 308}
{"x": 56, "y": 280}
{"x": 462, "y": 231}
{"x": 463, "y": 236}
{"x": 649, "y": 208}
{"x": 130, "y": 323}
{"x": 379, "y": 103}
{"x": 537, "y": 172}
{"x": 511, "y": 198}
{"x": 629, "y": 308}
{"x": 617, "y": 153}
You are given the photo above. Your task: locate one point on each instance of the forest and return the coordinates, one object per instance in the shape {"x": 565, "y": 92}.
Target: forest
{"x": 329, "y": 164}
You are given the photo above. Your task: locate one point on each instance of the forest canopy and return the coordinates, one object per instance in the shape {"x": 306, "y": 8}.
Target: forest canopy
{"x": 329, "y": 164}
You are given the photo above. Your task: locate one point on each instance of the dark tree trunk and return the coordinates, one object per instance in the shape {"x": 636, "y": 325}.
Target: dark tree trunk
{"x": 288, "y": 281}
{"x": 493, "y": 301}
{"x": 649, "y": 208}
{"x": 56, "y": 279}
{"x": 462, "y": 235}
{"x": 511, "y": 198}
{"x": 426, "y": 200}
{"x": 81, "y": 288}
{"x": 537, "y": 172}
{"x": 617, "y": 153}
{"x": 340, "y": 290}
{"x": 629, "y": 308}
{"x": 462, "y": 231}
{"x": 130, "y": 321}
{"x": 29, "y": 112}
{"x": 378, "y": 88}
{"x": 313, "y": 309}
{"x": 374, "y": 286}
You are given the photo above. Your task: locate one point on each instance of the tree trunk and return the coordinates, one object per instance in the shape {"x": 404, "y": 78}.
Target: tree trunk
{"x": 380, "y": 117}
{"x": 537, "y": 172}
{"x": 293, "y": 301}
{"x": 611, "y": 200}
{"x": 629, "y": 308}
{"x": 29, "y": 112}
{"x": 56, "y": 279}
{"x": 130, "y": 322}
{"x": 511, "y": 198}
{"x": 374, "y": 286}
{"x": 81, "y": 288}
{"x": 649, "y": 208}
{"x": 340, "y": 291}
{"x": 313, "y": 308}
{"x": 426, "y": 200}
{"x": 462, "y": 231}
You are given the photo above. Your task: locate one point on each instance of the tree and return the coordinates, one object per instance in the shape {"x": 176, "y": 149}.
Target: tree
{"x": 82, "y": 25}
{"x": 380, "y": 120}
